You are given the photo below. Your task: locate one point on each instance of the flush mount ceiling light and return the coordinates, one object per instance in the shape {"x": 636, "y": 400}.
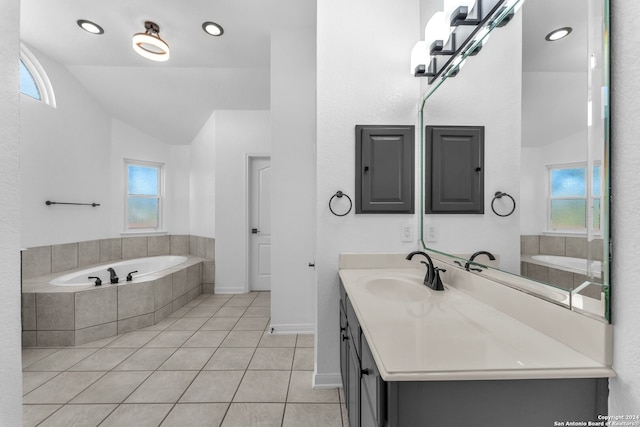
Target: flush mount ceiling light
{"x": 558, "y": 34}
{"x": 149, "y": 45}
{"x": 90, "y": 27}
{"x": 212, "y": 29}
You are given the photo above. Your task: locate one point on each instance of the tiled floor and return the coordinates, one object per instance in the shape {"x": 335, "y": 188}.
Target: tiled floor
{"x": 212, "y": 363}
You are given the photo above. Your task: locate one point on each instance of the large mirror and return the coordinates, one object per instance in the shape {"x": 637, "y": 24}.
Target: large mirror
{"x": 543, "y": 106}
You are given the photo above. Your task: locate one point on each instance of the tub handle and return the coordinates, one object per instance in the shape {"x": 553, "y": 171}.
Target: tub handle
{"x": 98, "y": 280}
{"x": 130, "y": 277}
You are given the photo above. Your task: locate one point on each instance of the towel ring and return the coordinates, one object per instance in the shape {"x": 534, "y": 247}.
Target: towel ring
{"x": 339, "y": 195}
{"x": 498, "y": 195}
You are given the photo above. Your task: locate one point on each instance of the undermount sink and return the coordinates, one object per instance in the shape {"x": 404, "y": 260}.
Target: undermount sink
{"x": 406, "y": 289}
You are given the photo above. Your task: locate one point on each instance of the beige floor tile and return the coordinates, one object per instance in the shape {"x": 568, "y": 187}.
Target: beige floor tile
{"x": 169, "y": 339}
{"x": 229, "y": 359}
{"x": 312, "y": 415}
{"x": 200, "y": 311}
{"x": 345, "y": 415}
{"x": 32, "y": 380}
{"x": 254, "y": 415}
{"x": 32, "y": 415}
{"x": 32, "y": 355}
{"x": 242, "y": 339}
{"x": 196, "y": 415}
{"x": 188, "y": 359}
{"x": 134, "y": 339}
{"x": 301, "y": 390}
{"x": 114, "y": 387}
{"x": 210, "y": 303}
{"x": 180, "y": 312}
{"x": 61, "y": 360}
{"x": 187, "y": 324}
{"x": 271, "y": 340}
{"x": 305, "y": 340}
{"x": 272, "y": 359}
{"x": 257, "y": 312}
{"x": 146, "y": 359}
{"x": 239, "y": 302}
{"x": 62, "y": 388}
{"x": 99, "y": 343}
{"x": 79, "y": 415}
{"x": 251, "y": 324}
{"x": 104, "y": 359}
{"x": 220, "y": 324}
{"x": 303, "y": 359}
{"x": 213, "y": 386}
{"x": 149, "y": 415}
{"x": 206, "y": 339}
{"x": 162, "y": 387}
{"x": 263, "y": 386}
{"x": 230, "y": 311}
{"x": 161, "y": 325}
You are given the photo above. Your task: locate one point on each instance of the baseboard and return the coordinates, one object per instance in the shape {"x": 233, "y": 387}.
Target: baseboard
{"x": 301, "y": 328}
{"x": 327, "y": 380}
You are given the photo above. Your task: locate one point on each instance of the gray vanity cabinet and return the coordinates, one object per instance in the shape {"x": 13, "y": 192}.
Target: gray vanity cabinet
{"x": 385, "y": 169}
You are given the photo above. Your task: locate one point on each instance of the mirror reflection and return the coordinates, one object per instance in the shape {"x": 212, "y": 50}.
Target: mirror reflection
{"x": 541, "y": 100}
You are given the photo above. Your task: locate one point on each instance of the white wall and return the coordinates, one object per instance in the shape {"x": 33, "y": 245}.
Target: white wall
{"x": 486, "y": 92}
{"x": 128, "y": 142}
{"x": 10, "y": 360}
{"x": 293, "y": 134}
{"x": 202, "y": 183}
{"x": 237, "y": 134}
{"x": 65, "y": 158}
{"x": 625, "y": 163}
{"x": 363, "y": 58}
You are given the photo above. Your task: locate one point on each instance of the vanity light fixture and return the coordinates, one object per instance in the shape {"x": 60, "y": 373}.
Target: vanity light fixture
{"x": 90, "y": 27}
{"x": 149, "y": 45}
{"x": 213, "y": 29}
{"x": 558, "y": 34}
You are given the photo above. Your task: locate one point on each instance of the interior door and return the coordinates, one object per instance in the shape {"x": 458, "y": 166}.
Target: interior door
{"x": 260, "y": 224}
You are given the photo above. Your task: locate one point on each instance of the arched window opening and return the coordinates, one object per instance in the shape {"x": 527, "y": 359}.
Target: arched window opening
{"x": 34, "y": 81}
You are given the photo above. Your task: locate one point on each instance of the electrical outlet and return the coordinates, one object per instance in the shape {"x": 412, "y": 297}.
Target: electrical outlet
{"x": 432, "y": 233}
{"x": 407, "y": 233}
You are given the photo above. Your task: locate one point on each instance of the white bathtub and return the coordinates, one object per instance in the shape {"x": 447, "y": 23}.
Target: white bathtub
{"x": 576, "y": 265}
{"x": 144, "y": 266}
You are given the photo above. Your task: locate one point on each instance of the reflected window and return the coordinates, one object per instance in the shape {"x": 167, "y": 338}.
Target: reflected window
{"x": 28, "y": 85}
{"x": 568, "y": 201}
{"x": 144, "y": 195}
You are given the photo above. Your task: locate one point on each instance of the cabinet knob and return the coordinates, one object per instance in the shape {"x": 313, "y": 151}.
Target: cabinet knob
{"x": 344, "y": 338}
{"x": 365, "y": 371}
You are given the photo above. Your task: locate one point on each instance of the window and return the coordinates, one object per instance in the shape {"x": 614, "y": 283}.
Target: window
{"x": 568, "y": 200}
{"x": 34, "y": 82}
{"x": 144, "y": 195}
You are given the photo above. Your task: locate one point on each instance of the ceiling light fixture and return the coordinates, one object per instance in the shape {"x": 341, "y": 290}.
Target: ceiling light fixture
{"x": 149, "y": 45}
{"x": 212, "y": 29}
{"x": 558, "y": 34}
{"x": 90, "y": 27}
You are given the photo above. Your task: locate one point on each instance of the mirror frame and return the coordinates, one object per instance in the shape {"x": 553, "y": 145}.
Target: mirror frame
{"x": 598, "y": 86}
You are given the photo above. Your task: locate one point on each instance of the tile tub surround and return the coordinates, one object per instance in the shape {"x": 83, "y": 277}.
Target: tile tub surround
{"x": 209, "y": 375}
{"x": 576, "y": 247}
{"x": 73, "y": 315}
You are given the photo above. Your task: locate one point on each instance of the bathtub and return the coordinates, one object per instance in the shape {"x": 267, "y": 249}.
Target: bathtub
{"x": 144, "y": 266}
{"x": 575, "y": 265}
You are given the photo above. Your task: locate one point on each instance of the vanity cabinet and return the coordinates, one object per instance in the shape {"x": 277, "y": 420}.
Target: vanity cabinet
{"x": 533, "y": 402}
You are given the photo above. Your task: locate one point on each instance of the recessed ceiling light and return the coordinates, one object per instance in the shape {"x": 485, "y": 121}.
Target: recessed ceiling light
{"x": 212, "y": 28}
{"x": 90, "y": 27}
{"x": 558, "y": 34}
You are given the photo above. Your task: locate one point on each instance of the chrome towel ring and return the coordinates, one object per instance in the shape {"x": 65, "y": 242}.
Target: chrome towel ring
{"x": 339, "y": 195}
{"x": 499, "y": 195}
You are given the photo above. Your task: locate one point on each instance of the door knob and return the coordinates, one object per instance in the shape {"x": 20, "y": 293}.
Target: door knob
{"x": 254, "y": 231}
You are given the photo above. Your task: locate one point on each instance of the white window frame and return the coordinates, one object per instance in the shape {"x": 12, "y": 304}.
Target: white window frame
{"x": 160, "y": 196}
{"x": 39, "y": 76}
{"x": 588, "y": 197}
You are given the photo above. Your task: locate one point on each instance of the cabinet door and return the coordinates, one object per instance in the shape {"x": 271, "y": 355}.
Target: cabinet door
{"x": 384, "y": 169}
{"x": 353, "y": 389}
{"x": 373, "y": 390}
{"x": 344, "y": 348}
{"x": 454, "y": 169}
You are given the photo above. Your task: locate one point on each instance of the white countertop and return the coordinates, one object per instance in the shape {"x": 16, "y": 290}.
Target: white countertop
{"x": 449, "y": 335}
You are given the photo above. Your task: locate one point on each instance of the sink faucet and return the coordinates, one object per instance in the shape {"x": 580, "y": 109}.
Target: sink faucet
{"x": 431, "y": 279}
{"x": 489, "y": 254}
{"x": 113, "y": 276}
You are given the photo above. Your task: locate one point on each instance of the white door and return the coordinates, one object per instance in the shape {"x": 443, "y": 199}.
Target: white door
{"x": 260, "y": 224}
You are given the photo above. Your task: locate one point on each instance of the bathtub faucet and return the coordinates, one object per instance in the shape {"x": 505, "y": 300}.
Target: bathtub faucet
{"x": 130, "y": 277}
{"x": 98, "y": 282}
{"x": 113, "y": 276}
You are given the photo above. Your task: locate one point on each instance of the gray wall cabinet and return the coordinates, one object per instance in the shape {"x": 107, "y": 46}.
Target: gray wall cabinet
{"x": 385, "y": 169}
{"x": 373, "y": 402}
{"x": 454, "y": 169}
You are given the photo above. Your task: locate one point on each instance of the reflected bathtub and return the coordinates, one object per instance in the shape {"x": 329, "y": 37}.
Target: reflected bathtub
{"x": 575, "y": 265}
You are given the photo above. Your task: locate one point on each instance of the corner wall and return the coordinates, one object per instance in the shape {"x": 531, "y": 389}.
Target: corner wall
{"x": 10, "y": 358}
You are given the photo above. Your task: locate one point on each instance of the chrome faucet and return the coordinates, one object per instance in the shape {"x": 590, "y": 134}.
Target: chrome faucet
{"x": 489, "y": 254}
{"x": 432, "y": 278}
{"x": 113, "y": 277}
